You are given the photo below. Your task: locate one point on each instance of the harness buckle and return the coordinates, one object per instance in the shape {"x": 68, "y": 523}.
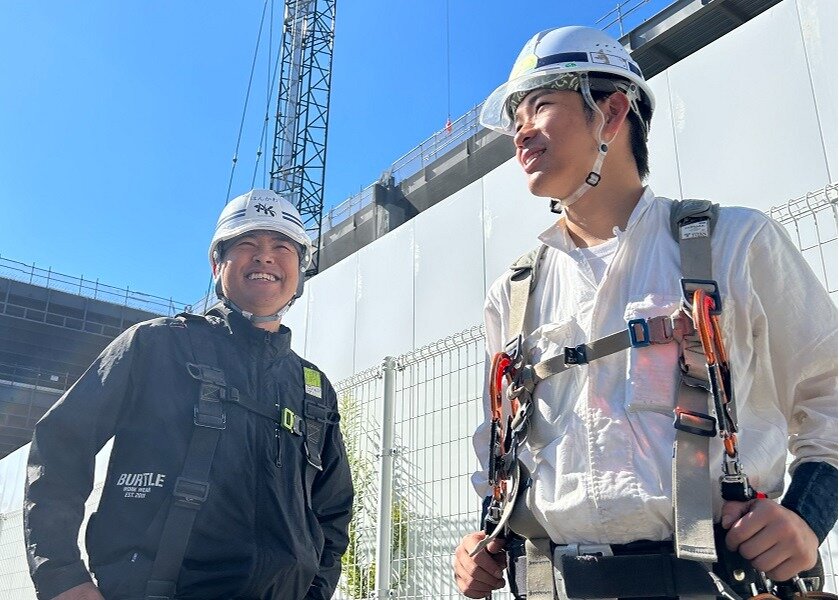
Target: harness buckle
{"x": 737, "y": 488}
{"x": 216, "y": 419}
{"x": 519, "y": 420}
{"x": 655, "y": 330}
{"x": 190, "y": 493}
{"x": 694, "y": 422}
{"x": 639, "y": 333}
{"x": 524, "y": 382}
{"x": 709, "y": 286}
{"x": 576, "y": 355}
{"x": 206, "y": 374}
{"x": 513, "y": 349}
{"x": 292, "y": 422}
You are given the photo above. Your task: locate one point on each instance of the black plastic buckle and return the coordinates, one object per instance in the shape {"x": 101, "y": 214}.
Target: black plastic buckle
{"x": 216, "y": 419}
{"x": 576, "y": 356}
{"x": 709, "y": 286}
{"x": 190, "y": 493}
{"x": 206, "y": 374}
{"x": 736, "y": 488}
{"x": 593, "y": 179}
{"x": 696, "y": 423}
{"x": 639, "y": 333}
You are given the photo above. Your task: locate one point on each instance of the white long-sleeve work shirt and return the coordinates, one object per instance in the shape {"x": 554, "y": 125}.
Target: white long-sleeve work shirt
{"x": 600, "y": 443}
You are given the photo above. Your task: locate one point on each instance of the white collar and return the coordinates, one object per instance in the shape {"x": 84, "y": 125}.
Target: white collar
{"x": 557, "y": 236}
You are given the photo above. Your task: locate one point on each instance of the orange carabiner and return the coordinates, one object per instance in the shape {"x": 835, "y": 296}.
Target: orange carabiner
{"x": 730, "y": 445}
{"x": 701, "y": 309}
{"x": 500, "y": 363}
{"x": 708, "y": 326}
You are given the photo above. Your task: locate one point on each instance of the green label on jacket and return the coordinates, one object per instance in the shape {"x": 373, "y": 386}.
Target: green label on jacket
{"x": 311, "y": 378}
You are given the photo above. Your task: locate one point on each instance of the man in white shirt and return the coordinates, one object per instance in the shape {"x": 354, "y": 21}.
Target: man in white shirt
{"x": 599, "y": 447}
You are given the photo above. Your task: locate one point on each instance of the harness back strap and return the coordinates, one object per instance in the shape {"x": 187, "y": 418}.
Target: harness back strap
{"x": 192, "y": 487}
{"x": 691, "y": 223}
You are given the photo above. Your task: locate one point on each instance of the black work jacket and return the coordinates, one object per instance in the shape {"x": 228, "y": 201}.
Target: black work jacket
{"x": 272, "y": 527}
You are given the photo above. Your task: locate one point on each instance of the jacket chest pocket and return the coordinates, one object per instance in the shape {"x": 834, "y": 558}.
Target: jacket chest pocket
{"x": 652, "y": 371}
{"x": 301, "y": 440}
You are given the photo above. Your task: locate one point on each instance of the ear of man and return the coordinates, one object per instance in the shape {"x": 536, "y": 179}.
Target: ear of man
{"x": 615, "y": 108}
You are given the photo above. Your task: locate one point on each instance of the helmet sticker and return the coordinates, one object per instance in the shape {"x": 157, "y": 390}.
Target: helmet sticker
{"x": 609, "y": 59}
{"x": 524, "y": 64}
{"x": 265, "y": 208}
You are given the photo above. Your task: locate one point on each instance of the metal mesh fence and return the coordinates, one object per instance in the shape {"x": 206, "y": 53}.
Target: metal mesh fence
{"x": 811, "y": 223}
{"x": 436, "y": 404}
{"x": 439, "y": 392}
{"x": 359, "y": 399}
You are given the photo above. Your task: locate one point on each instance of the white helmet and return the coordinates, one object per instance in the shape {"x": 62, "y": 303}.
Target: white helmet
{"x": 570, "y": 58}
{"x": 552, "y": 53}
{"x": 260, "y": 210}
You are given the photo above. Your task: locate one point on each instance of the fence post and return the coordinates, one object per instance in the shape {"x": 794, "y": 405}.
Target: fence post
{"x": 384, "y": 526}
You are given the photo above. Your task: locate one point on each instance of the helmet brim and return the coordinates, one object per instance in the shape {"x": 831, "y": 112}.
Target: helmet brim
{"x": 293, "y": 233}
{"x": 494, "y": 114}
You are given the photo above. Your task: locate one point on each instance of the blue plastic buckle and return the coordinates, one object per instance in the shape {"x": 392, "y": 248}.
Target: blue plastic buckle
{"x": 709, "y": 286}
{"x": 639, "y": 333}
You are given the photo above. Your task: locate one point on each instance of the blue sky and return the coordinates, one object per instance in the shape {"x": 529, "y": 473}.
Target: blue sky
{"x": 118, "y": 120}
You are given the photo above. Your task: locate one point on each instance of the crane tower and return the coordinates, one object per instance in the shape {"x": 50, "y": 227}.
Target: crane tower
{"x": 299, "y": 152}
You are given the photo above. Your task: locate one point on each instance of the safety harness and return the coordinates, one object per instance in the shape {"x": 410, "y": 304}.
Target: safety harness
{"x": 192, "y": 487}
{"x": 704, "y": 409}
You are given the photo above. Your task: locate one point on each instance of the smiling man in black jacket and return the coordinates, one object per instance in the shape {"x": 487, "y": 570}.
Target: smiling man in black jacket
{"x": 228, "y": 476}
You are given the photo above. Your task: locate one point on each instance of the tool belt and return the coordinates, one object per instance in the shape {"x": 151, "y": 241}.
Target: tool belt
{"x": 645, "y": 569}
{"x": 635, "y": 570}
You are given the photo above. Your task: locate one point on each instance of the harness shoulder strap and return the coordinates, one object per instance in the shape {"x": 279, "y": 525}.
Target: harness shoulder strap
{"x": 317, "y": 417}
{"x": 316, "y": 414}
{"x": 192, "y": 487}
{"x": 523, "y": 277}
{"x": 692, "y": 223}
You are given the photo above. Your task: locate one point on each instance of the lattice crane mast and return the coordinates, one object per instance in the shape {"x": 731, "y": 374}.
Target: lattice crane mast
{"x": 299, "y": 153}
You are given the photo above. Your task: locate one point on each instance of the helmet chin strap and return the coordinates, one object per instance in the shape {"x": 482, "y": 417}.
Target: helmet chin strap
{"x": 255, "y": 319}
{"x": 593, "y": 177}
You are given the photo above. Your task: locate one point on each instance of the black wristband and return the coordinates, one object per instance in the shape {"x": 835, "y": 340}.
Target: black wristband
{"x": 812, "y": 496}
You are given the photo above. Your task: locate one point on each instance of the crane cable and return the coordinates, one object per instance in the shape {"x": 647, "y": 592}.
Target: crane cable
{"x": 241, "y": 129}
{"x": 273, "y": 70}
{"x": 448, "y": 75}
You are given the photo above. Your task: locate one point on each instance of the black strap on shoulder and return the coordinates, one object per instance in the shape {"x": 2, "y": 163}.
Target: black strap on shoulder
{"x": 316, "y": 415}
{"x": 192, "y": 487}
